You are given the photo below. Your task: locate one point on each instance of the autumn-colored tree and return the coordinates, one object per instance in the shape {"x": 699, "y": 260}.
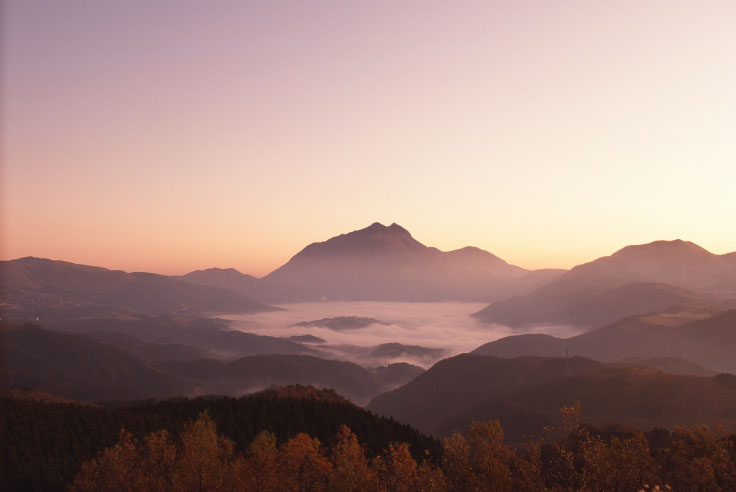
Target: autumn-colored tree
{"x": 257, "y": 471}
{"x": 456, "y": 463}
{"x": 622, "y": 464}
{"x": 396, "y": 469}
{"x": 302, "y": 466}
{"x": 114, "y": 470}
{"x": 205, "y": 460}
{"x": 430, "y": 478}
{"x": 350, "y": 471}
{"x": 157, "y": 462}
{"x": 490, "y": 459}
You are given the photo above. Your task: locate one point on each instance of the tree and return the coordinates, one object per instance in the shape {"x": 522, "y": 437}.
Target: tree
{"x": 257, "y": 471}
{"x": 396, "y": 469}
{"x": 302, "y": 466}
{"x": 351, "y": 471}
{"x": 205, "y": 460}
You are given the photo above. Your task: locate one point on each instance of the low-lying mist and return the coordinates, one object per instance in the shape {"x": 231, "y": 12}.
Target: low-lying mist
{"x": 438, "y": 325}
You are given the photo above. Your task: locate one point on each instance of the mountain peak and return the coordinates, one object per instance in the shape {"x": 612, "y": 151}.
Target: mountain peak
{"x": 374, "y": 239}
{"x": 663, "y": 247}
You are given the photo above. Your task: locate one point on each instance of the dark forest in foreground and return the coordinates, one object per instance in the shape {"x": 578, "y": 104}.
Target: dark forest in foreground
{"x": 298, "y": 438}
{"x": 44, "y": 443}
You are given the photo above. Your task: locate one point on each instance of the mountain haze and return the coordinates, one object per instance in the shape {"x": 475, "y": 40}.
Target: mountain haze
{"x": 695, "y": 334}
{"x": 384, "y": 263}
{"x": 50, "y": 287}
{"x": 634, "y": 280}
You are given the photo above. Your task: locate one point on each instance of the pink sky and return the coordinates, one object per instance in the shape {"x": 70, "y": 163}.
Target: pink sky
{"x": 168, "y": 136}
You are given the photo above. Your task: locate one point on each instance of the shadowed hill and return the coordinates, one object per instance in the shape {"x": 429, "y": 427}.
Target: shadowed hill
{"x": 694, "y": 334}
{"x": 641, "y": 398}
{"x": 455, "y": 384}
{"x": 79, "y": 368}
{"x": 32, "y": 462}
{"x": 203, "y": 334}
{"x": 82, "y": 368}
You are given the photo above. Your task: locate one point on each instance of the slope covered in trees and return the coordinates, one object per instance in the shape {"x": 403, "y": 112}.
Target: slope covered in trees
{"x": 582, "y": 459}
{"x": 45, "y": 443}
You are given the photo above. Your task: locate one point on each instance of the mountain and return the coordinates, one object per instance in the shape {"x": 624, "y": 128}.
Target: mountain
{"x": 149, "y": 351}
{"x": 81, "y": 367}
{"x": 668, "y": 365}
{"x": 692, "y": 333}
{"x": 458, "y": 383}
{"x": 395, "y": 350}
{"x": 636, "y": 397}
{"x": 381, "y": 263}
{"x": 257, "y": 372}
{"x": 211, "y": 336}
{"x": 307, "y": 339}
{"x": 634, "y": 280}
{"x": 226, "y": 278}
{"x": 37, "y": 287}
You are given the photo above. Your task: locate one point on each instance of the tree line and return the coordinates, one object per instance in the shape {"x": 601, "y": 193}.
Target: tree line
{"x": 43, "y": 444}
{"x": 200, "y": 459}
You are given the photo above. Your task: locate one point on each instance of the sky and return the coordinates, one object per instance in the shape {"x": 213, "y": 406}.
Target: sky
{"x": 175, "y": 135}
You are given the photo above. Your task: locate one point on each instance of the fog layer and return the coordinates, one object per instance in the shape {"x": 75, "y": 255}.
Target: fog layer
{"x": 438, "y": 325}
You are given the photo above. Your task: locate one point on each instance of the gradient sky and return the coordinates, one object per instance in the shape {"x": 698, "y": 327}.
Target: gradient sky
{"x": 167, "y": 136}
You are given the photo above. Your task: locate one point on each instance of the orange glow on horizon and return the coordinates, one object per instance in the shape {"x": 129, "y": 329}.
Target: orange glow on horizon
{"x": 171, "y": 136}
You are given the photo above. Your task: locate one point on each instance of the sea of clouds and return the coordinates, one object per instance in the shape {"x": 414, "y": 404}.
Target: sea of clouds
{"x": 443, "y": 325}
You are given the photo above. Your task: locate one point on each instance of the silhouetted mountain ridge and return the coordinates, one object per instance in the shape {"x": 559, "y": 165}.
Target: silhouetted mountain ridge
{"x": 49, "y": 287}
{"x": 635, "y": 280}
{"x": 694, "y": 334}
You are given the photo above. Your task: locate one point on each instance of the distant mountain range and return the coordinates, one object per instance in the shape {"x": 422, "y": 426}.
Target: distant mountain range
{"x": 385, "y": 263}
{"x": 382, "y": 263}
{"x": 700, "y": 334}
{"x": 634, "y": 280}
{"x": 105, "y": 366}
{"x": 38, "y": 287}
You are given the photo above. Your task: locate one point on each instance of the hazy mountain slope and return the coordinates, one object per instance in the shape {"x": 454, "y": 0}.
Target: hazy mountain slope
{"x": 210, "y": 335}
{"x": 634, "y": 280}
{"x": 691, "y": 334}
{"x": 79, "y": 368}
{"x": 82, "y": 368}
{"x": 149, "y": 351}
{"x": 387, "y": 264}
{"x": 668, "y": 365}
{"x": 253, "y": 373}
{"x": 643, "y": 398}
{"x": 83, "y": 287}
{"x": 226, "y": 278}
{"x": 453, "y": 385}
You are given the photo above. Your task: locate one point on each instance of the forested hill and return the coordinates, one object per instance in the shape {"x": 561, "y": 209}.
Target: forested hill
{"x": 45, "y": 443}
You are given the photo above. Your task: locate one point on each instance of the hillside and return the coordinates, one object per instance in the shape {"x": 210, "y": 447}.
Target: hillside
{"x": 458, "y": 383}
{"x": 254, "y": 373}
{"x": 691, "y": 333}
{"x": 213, "y": 336}
{"x": 226, "y": 278}
{"x": 640, "y": 398}
{"x": 80, "y": 367}
{"x": 37, "y": 287}
{"x": 35, "y": 463}
{"x": 634, "y": 280}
